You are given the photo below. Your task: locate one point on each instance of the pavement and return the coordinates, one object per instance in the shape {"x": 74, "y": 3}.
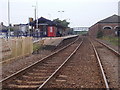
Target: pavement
{"x": 53, "y": 41}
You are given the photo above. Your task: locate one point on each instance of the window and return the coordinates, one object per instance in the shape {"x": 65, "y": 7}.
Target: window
{"x": 51, "y": 29}
{"x": 107, "y": 27}
{"x": 117, "y": 28}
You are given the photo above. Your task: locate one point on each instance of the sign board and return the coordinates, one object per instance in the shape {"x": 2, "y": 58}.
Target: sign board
{"x": 30, "y": 19}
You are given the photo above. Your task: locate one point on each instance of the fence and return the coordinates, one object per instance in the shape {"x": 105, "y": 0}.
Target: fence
{"x": 16, "y": 47}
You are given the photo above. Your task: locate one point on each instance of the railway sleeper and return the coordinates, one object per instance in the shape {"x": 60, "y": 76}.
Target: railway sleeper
{"x": 22, "y": 86}
{"x": 38, "y": 78}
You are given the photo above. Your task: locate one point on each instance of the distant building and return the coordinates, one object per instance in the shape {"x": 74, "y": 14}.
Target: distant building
{"x": 20, "y": 29}
{"x": 80, "y": 30}
{"x": 109, "y": 27}
{"x": 3, "y": 30}
{"x": 3, "y": 27}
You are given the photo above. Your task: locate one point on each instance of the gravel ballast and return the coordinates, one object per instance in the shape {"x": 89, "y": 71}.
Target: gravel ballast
{"x": 81, "y": 71}
{"x": 110, "y": 64}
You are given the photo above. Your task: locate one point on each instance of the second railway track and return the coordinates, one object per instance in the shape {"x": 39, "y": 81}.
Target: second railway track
{"x": 110, "y": 59}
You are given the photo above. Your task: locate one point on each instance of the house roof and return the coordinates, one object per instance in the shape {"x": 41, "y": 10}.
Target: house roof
{"x": 44, "y": 21}
{"x": 112, "y": 19}
{"x": 3, "y": 27}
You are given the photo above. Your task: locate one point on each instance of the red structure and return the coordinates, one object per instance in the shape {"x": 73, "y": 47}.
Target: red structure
{"x": 51, "y": 31}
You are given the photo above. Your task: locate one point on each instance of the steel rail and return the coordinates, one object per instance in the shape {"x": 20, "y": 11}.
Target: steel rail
{"x": 41, "y": 86}
{"x": 101, "y": 67}
{"x": 26, "y": 68}
{"x": 116, "y": 52}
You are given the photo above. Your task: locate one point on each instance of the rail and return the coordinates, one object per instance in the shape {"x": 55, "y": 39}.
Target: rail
{"x": 60, "y": 66}
{"x": 116, "y": 52}
{"x": 26, "y": 68}
{"x": 101, "y": 66}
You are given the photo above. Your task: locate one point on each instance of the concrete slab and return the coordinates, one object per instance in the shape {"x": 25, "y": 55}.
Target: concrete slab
{"x": 55, "y": 41}
{"x": 52, "y": 41}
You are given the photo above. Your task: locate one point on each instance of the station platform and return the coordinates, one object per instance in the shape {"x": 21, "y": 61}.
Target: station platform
{"x": 54, "y": 41}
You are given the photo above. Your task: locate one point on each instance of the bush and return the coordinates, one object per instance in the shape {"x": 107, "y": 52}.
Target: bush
{"x": 36, "y": 47}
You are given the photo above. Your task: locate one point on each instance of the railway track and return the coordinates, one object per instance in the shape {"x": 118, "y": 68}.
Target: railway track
{"x": 110, "y": 60}
{"x": 84, "y": 70}
{"x": 114, "y": 51}
{"x": 101, "y": 67}
{"x": 37, "y": 74}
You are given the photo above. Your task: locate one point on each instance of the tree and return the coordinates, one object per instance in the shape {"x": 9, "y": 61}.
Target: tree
{"x": 64, "y": 23}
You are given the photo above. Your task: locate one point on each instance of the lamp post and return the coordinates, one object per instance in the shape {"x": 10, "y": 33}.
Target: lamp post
{"x": 34, "y": 11}
{"x": 8, "y": 17}
{"x": 61, "y": 13}
{"x": 37, "y": 29}
{"x": 36, "y": 16}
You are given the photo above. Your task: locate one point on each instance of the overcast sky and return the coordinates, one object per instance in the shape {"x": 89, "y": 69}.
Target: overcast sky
{"x": 80, "y": 13}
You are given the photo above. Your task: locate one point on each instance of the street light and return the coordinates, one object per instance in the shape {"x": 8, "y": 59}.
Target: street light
{"x": 61, "y": 13}
{"x": 37, "y": 29}
{"x": 37, "y": 23}
{"x": 34, "y": 11}
{"x": 8, "y": 17}
{"x": 36, "y": 15}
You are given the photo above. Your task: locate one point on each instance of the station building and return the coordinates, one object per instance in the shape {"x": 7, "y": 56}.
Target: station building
{"x": 109, "y": 27}
{"x": 47, "y": 28}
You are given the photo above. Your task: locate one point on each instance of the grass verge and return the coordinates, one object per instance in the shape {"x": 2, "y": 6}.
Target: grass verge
{"x": 111, "y": 39}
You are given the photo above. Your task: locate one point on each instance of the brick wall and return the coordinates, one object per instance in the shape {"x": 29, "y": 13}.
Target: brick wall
{"x": 99, "y": 27}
